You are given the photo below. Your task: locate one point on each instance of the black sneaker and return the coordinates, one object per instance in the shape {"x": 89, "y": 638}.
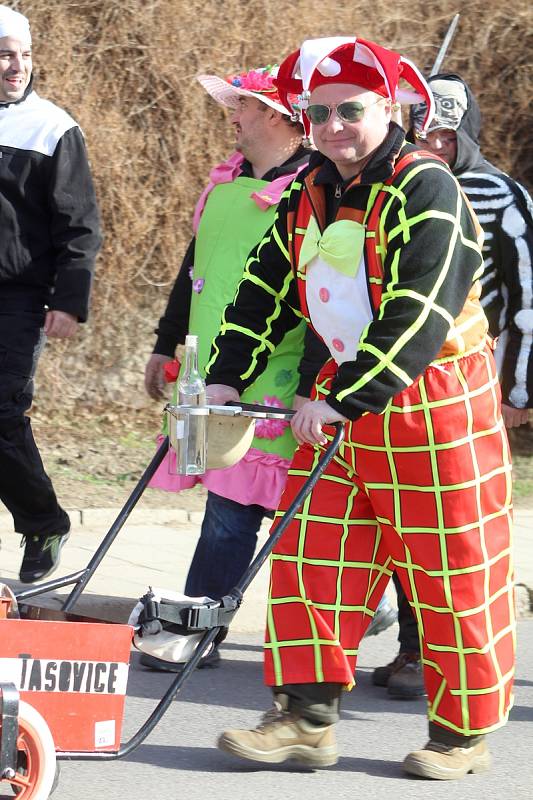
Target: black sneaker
{"x": 212, "y": 659}
{"x": 41, "y": 556}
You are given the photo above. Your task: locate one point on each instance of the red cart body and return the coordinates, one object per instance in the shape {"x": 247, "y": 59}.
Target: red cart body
{"x": 74, "y": 673}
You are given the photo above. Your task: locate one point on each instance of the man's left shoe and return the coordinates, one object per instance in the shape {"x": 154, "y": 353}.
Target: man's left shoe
{"x": 443, "y": 762}
{"x": 41, "y": 556}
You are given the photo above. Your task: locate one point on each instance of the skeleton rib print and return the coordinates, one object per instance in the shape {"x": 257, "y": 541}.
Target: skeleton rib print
{"x": 505, "y": 213}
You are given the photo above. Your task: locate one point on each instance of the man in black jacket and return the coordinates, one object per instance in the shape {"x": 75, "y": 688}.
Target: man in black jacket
{"x": 50, "y": 238}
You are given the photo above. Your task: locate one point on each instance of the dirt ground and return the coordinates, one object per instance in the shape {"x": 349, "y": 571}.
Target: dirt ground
{"x": 95, "y": 458}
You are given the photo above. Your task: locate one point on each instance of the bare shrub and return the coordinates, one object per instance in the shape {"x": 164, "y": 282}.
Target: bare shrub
{"x": 125, "y": 69}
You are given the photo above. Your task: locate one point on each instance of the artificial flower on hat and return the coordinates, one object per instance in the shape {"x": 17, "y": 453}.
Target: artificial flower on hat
{"x": 352, "y": 60}
{"x": 258, "y": 83}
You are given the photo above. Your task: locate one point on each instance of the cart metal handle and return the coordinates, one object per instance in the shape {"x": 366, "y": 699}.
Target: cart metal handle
{"x": 233, "y": 599}
{"x": 258, "y": 410}
{"x": 81, "y": 578}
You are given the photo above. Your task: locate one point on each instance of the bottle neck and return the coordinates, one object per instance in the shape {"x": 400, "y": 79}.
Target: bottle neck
{"x": 191, "y": 361}
{"x": 191, "y": 385}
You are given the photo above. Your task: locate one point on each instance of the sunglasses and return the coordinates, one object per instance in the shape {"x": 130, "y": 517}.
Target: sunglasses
{"x": 350, "y": 111}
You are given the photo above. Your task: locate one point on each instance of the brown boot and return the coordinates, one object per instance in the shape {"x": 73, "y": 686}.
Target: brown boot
{"x": 444, "y": 762}
{"x": 382, "y": 675}
{"x": 407, "y": 682}
{"x": 280, "y": 736}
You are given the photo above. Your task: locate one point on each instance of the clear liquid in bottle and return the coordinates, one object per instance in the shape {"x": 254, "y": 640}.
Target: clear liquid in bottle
{"x": 192, "y": 453}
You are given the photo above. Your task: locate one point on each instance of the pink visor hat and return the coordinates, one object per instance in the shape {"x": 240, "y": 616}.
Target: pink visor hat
{"x": 348, "y": 59}
{"x": 258, "y": 83}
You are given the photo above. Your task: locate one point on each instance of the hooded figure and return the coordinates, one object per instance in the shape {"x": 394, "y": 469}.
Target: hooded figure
{"x": 504, "y": 211}
{"x": 456, "y": 109}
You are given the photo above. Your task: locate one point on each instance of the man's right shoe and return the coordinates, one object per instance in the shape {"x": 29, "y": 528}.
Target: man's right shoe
{"x": 283, "y": 736}
{"x": 443, "y": 762}
{"x": 41, "y": 556}
{"x": 403, "y": 677}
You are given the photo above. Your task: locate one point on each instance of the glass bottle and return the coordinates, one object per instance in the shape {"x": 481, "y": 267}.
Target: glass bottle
{"x": 192, "y": 453}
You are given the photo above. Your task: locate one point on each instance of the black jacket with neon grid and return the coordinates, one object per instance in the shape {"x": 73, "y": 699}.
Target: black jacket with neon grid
{"x": 430, "y": 271}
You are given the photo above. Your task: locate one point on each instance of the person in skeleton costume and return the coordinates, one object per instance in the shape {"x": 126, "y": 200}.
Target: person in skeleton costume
{"x": 504, "y": 210}
{"x": 376, "y": 248}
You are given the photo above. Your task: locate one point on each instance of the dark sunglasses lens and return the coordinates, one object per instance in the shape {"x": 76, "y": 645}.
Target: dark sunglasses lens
{"x": 351, "y": 111}
{"x": 317, "y": 114}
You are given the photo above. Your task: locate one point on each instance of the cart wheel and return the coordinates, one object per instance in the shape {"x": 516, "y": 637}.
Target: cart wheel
{"x": 36, "y": 764}
{"x": 18, "y": 789}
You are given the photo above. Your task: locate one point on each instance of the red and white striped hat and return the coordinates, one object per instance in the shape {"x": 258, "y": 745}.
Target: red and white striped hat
{"x": 349, "y": 59}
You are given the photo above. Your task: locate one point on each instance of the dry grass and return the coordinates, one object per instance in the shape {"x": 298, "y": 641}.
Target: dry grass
{"x": 125, "y": 69}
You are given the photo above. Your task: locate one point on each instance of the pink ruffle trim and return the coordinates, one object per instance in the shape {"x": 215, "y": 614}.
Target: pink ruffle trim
{"x": 229, "y": 171}
{"x": 244, "y": 483}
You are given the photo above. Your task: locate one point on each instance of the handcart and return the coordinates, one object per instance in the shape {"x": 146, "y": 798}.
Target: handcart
{"x": 63, "y": 678}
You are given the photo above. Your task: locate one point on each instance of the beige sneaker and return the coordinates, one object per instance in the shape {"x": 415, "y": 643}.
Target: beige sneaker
{"x": 442, "y": 762}
{"x": 281, "y": 736}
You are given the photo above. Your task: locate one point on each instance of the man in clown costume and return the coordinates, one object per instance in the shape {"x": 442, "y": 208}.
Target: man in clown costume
{"x": 232, "y": 215}
{"x": 376, "y": 248}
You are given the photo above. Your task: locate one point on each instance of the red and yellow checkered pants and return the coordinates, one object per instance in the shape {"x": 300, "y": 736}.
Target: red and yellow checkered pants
{"x": 423, "y": 489}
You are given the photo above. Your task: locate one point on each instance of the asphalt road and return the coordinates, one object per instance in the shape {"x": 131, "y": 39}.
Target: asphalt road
{"x": 179, "y": 759}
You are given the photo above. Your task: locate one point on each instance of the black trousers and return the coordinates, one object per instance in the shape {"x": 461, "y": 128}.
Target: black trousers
{"x": 25, "y": 488}
{"x": 408, "y": 635}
